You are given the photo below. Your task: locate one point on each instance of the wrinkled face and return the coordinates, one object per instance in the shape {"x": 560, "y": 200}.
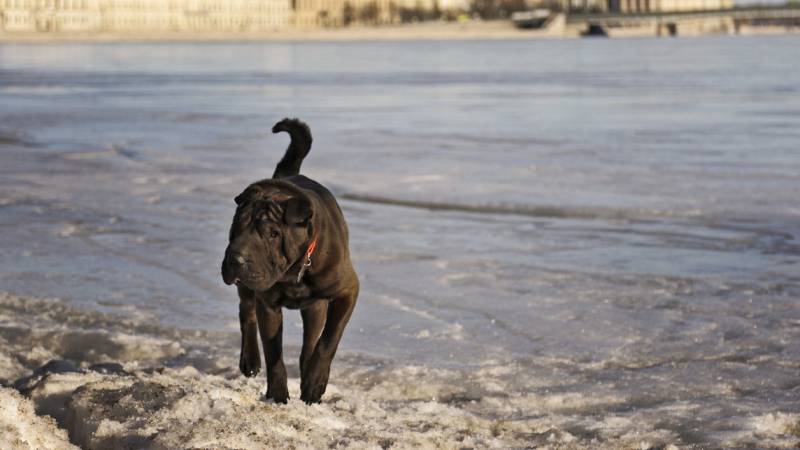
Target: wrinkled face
{"x": 268, "y": 235}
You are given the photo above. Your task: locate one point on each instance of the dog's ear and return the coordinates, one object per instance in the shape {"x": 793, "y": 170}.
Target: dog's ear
{"x": 240, "y": 198}
{"x": 246, "y": 194}
{"x": 297, "y": 211}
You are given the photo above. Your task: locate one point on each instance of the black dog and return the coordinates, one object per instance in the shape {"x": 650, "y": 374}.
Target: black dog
{"x": 289, "y": 248}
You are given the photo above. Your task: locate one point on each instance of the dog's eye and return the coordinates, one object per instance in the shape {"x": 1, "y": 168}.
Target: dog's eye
{"x": 274, "y": 234}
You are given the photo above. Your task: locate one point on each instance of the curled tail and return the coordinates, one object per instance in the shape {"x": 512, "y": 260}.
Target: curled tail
{"x": 298, "y": 147}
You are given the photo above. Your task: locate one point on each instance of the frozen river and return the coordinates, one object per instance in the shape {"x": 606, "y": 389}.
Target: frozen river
{"x": 613, "y": 223}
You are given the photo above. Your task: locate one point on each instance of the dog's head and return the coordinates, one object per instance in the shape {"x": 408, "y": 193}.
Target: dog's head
{"x": 270, "y": 232}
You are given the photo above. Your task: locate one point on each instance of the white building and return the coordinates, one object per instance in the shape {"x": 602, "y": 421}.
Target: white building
{"x": 144, "y": 15}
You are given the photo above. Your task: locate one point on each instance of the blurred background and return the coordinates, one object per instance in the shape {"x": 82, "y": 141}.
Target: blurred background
{"x": 612, "y": 219}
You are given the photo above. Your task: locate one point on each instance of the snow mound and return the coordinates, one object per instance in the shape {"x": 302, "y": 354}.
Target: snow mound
{"x": 22, "y": 429}
{"x": 183, "y": 408}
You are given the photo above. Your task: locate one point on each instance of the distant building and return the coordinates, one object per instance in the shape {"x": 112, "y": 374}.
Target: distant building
{"x": 203, "y": 15}
{"x": 454, "y": 5}
{"x": 264, "y": 15}
{"x": 144, "y": 15}
{"x": 587, "y": 5}
{"x": 635, "y": 6}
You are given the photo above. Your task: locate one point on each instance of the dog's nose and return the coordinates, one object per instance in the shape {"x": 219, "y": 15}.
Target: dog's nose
{"x": 239, "y": 260}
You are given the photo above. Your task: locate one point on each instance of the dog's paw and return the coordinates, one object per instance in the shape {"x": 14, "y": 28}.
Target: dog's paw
{"x": 313, "y": 385}
{"x": 249, "y": 366}
{"x": 313, "y": 394}
{"x": 278, "y": 393}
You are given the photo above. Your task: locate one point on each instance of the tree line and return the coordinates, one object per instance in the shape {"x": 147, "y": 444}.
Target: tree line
{"x": 371, "y": 14}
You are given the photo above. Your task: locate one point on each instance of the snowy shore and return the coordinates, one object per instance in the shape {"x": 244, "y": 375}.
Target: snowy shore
{"x": 120, "y": 383}
{"x": 100, "y": 381}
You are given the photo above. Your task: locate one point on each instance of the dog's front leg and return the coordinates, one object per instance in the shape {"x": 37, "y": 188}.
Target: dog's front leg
{"x": 249, "y": 359}
{"x": 313, "y": 322}
{"x": 270, "y": 324}
{"x": 315, "y": 376}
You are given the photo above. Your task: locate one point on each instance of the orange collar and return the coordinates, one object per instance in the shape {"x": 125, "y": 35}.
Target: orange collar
{"x": 307, "y": 259}
{"x": 310, "y": 251}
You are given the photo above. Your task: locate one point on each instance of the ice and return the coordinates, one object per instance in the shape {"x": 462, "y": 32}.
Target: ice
{"x": 585, "y": 253}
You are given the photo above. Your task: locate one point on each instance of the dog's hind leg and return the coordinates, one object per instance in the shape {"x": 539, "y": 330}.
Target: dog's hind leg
{"x": 270, "y": 324}
{"x": 313, "y": 321}
{"x": 249, "y": 359}
{"x": 315, "y": 379}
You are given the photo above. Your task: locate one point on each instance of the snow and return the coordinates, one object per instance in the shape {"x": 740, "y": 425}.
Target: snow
{"x": 181, "y": 389}
{"x": 22, "y": 429}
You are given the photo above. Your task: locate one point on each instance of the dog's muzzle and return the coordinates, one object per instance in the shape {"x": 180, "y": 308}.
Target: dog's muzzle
{"x": 234, "y": 268}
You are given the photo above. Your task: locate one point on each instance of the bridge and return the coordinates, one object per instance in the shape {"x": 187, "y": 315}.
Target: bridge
{"x": 788, "y": 14}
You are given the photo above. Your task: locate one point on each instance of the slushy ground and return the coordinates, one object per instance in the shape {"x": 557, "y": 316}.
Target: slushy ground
{"x": 181, "y": 389}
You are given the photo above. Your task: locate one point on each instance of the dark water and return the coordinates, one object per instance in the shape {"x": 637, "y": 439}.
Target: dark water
{"x": 617, "y": 216}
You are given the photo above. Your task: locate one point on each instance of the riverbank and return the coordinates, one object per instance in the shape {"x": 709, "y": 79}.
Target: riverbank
{"x": 473, "y": 30}
{"x": 420, "y": 31}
